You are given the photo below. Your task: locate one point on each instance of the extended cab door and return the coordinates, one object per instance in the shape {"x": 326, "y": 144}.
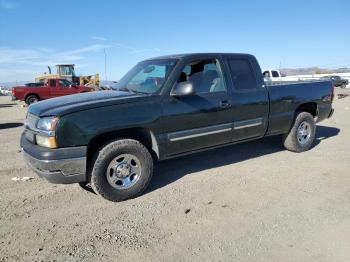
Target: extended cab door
{"x": 250, "y": 98}
{"x": 200, "y": 120}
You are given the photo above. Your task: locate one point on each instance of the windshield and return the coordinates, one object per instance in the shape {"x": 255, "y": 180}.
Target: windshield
{"x": 147, "y": 77}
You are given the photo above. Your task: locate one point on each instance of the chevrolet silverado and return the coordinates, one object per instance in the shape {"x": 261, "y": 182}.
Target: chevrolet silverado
{"x": 162, "y": 108}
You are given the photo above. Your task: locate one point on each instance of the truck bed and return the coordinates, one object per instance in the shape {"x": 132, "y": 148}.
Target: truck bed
{"x": 286, "y": 97}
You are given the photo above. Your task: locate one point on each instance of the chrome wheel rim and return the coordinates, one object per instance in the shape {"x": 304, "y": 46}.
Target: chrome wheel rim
{"x": 304, "y": 133}
{"x": 124, "y": 171}
{"x": 33, "y": 100}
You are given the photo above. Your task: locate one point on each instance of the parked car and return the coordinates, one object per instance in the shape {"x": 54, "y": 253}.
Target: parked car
{"x": 53, "y": 88}
{"x": 163, "y": 108}
{"x": 337, "y": 81}
{"x": 4, "y": 91}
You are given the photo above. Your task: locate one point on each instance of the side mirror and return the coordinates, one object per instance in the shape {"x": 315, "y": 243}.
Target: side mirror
{"x": 183, "y": 89}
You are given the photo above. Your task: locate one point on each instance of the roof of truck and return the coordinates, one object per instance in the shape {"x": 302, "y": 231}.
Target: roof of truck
{"x": 180, "y": 56}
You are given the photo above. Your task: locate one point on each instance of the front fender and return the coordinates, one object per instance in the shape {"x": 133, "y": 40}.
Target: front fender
{"x": 78, "y": 128}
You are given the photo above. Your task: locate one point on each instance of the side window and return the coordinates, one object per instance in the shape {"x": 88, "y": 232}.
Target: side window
{"x": 242, "y": 74}
{"x": 205, "y": 76}
{"x": 275, "y": 74}
{"x": 63, "y": 83}
{"x": 52, "y": 82}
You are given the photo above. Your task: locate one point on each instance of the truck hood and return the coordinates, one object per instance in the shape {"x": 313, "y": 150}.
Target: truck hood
{"x": 72, "y": 103}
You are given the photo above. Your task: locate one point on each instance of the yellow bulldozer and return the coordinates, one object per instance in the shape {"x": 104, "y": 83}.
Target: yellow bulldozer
{"x": 67, "y": 71}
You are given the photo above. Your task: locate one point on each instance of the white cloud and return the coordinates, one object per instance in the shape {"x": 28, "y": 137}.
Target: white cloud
{"x": 90, "y": 48}
{"x": 12, "y": 74}
{"x": 8, "y": 4}
{"x": 44, "y": 55}
{"x": 21, "y": 63}
{"x": 9, "y": 55}
{"x": 99, "y": 38}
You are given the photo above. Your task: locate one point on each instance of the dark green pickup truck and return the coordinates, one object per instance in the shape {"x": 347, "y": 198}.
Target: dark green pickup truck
{"x": 162, "y": 108}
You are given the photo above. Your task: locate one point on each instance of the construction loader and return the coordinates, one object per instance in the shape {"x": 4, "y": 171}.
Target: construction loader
{"x": 67, "y": 71}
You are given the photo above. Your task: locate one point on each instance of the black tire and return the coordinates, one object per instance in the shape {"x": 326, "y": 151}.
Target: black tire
{"x": 99, "y": 182}
{"x": 292, "y": 142}
{"x": 343, "y": 85}
{"x": 31, "y": 99}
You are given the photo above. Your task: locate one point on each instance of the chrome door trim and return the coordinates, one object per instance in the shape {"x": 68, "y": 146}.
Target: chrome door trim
{"x": 247, "y": 123}
{"x": 198, "y": 132}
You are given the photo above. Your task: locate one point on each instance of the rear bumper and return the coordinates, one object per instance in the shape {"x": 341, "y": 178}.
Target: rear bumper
{"x": 59, "y": 166}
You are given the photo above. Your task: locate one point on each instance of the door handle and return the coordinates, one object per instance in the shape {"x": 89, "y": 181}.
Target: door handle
{"x": 225, "y": 104}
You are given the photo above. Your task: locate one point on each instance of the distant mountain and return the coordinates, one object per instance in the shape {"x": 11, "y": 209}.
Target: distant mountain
{"x": 312, "y": 71}
{"x": 12, "y": 84}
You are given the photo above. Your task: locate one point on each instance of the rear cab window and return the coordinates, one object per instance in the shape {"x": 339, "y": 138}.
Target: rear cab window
{"x": 242, "y": 74}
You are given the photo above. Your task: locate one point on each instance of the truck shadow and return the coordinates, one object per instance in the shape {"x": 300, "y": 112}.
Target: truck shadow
{"x": 3, "y": 106}
{"x": 169, "y": 171}
{"x": 10, "y": 125}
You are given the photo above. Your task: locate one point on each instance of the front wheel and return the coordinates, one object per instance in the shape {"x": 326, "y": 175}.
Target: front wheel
{"x": 302, "y": 134}
{"x": 343, "y": 85}
{"x": 122, "y": 170}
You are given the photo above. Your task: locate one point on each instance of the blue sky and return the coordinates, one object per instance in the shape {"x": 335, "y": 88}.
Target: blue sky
{"x": 296, "y": 33}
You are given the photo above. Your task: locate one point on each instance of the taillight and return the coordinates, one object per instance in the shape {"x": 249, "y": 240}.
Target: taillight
{"x": 329, "y": 97}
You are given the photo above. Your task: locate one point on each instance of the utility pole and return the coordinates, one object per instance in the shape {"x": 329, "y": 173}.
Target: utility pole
{"x": 104, "y": 50}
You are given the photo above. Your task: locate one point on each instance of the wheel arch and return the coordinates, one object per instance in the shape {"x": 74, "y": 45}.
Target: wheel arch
{"x": 31, "y": 94}
{"x": 309, "y": 107}
{"x": 143, "y": 135}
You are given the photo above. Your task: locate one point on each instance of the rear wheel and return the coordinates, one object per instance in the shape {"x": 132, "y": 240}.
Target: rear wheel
{"x": 31, "y": 99}
{"x": 302, "y": 135}
{"x": 122, "y": 170}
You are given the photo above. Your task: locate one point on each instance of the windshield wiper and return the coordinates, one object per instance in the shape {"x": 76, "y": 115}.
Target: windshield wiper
{"x": 139, "y": 92}
{"x": 124, "y": 89}
{"x": 131, "y": 90}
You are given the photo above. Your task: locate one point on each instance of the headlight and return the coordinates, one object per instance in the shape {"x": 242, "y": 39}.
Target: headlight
{"x": 47, "y": 123}
{"x": 46, "y": 136}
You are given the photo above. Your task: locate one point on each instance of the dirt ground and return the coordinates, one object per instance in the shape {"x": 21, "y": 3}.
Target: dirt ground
{"x": 248, "y": 202}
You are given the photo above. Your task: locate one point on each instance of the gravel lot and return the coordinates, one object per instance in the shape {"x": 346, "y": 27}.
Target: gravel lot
{"x": 248, "y": 202}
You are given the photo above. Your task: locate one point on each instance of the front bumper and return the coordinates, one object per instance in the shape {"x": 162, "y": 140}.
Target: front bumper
{"x": 59, "y": 166}
{"x": 331, "y": 113}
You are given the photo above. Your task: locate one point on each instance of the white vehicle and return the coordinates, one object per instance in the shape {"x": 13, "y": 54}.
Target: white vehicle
{"x": 271, "y": 74}
{"x": 4, "y": 91}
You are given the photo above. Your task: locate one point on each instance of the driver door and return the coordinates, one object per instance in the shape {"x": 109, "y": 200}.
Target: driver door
{"x": 201, "y": 120}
